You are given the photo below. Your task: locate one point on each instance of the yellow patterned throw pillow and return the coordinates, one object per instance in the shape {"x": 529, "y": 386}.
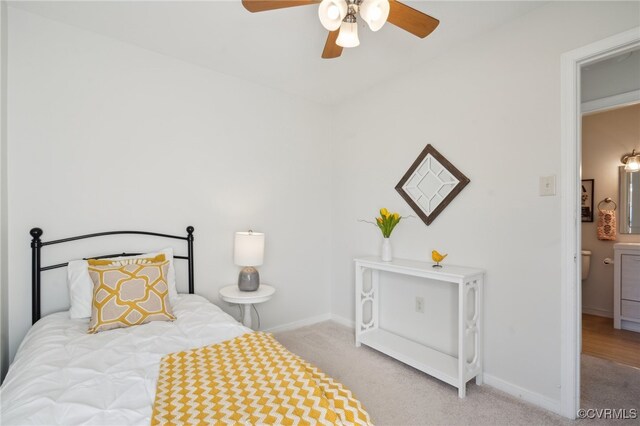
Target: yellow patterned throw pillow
{"x": 130, "y": 294}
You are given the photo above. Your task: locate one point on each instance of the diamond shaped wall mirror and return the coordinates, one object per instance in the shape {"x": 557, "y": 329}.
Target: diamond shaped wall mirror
{"x": 430, "y": 184}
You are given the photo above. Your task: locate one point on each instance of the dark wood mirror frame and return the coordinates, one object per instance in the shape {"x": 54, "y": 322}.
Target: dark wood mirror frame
{"x": 426, "y": 216}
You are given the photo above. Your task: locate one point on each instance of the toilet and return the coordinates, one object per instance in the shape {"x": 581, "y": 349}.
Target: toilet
{"x": 586, "y": 263}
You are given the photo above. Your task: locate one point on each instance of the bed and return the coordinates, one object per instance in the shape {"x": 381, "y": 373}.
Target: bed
{"x": 63, "y": 375}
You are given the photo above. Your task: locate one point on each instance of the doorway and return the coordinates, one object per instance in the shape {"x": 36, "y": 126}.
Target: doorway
{"x": 571, "y": 296}
{"x": 610, "y": 107}
{"x": 610, "y": 356}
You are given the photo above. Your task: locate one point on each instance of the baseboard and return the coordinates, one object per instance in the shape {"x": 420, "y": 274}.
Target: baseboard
{"x": 343, "y": 321}
{"x": 300, "y": 323}
{"x": 597, "y": 312}
{"x": 524, "y": 394}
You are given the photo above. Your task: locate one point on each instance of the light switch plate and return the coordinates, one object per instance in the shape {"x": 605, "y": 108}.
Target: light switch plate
{"x": 547, "y": 185}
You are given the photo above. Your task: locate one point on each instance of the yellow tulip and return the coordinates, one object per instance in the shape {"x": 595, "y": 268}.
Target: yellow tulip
{"x": 396, "y": 216}
{"x": 384, "y": 212}
{"x": 379, "y": 219}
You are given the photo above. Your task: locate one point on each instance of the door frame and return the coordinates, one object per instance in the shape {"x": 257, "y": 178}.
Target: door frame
{"x": 571, "y": 238}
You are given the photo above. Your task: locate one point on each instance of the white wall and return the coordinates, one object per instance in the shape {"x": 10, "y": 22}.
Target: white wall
{"x": 104, "y": 135}
{"x": 606, "y": 136}
{"x": 4, "y": 282}
{"x": 492, "y": 107}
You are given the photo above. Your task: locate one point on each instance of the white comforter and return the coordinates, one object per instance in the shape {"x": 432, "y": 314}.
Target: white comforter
{"x": 62, "y": 375}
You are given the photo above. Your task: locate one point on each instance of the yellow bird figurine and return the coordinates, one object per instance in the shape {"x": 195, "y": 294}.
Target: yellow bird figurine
{"x": 437, "y": 257}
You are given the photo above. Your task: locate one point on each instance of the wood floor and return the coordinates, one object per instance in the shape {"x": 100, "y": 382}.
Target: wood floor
{"x": 601, "y": 340}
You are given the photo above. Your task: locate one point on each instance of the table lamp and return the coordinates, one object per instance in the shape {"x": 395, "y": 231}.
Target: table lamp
{"x": 248, "y": 252}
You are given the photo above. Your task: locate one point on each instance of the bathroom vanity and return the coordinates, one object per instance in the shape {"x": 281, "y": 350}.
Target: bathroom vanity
{"x": 626, "y": 286}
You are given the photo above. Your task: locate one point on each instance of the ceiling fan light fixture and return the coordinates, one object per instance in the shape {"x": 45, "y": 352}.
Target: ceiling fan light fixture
{"x": 374, "y": 13}
{"x": 331, "y": 13}
{"x": 339, "y": 17}
{"x": 348, "y": 36}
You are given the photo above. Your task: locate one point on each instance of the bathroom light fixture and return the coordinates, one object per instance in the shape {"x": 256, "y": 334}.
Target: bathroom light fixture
{"x": 631, "y": 161}
{"x": 341, "y": 14}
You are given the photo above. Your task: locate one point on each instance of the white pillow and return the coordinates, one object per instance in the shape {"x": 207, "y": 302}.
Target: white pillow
{"x": 81, "y": 285}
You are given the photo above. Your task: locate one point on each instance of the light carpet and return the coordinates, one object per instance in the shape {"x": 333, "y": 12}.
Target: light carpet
{"x": 396, "y": 394}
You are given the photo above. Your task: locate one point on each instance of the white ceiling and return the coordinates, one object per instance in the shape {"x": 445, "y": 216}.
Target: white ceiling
{"x": 280, "y": 49}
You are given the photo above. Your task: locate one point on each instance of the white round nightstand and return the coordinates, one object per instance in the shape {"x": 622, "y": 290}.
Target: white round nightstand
{"x": 232, "y": 294}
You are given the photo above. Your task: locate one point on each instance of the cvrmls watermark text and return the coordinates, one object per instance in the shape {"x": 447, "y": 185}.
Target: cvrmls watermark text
{"x": 608, "y": 413}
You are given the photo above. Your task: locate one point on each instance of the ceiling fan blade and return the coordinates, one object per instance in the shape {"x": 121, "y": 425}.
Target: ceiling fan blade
{"x": 331, "y": 49}
{"x": 263, "y": 5}
{"x": 409, "y": 19}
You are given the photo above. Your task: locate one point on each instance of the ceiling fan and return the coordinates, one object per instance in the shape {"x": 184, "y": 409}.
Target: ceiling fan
{"x": 339, "y": 17}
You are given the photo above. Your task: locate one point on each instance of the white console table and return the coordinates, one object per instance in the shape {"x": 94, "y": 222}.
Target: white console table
{"x": 456, "y": 371}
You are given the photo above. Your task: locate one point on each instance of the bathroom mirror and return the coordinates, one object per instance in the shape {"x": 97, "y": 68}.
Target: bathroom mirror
{"x": 430, "y": 184}
{"x": 629, "y": 202}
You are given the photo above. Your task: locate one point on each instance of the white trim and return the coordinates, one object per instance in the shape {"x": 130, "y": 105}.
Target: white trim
{"x": 611, "y": 102}
{"x": 300, "y": 323}
{"x": 522, "y": 393}
{"x": 597, "y": 312}
{"x": 570, "y": 239}
{"x": 343, "y": 321}
{"x": 570, "y": 334}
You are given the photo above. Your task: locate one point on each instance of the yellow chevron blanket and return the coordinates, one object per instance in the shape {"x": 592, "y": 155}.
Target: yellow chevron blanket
{"x": 251, "y": 379}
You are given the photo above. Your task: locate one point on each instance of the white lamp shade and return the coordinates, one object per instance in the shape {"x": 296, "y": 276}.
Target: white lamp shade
{"x": 633, "y": 164}
{"x": 248, "y": 249}
{"x": 375, "y": 13}
{"x": 348, "y": 36}
{"x": 332, "y": 12}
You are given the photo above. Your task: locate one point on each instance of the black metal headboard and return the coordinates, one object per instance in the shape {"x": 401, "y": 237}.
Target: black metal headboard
{"x": 37, "y": 244}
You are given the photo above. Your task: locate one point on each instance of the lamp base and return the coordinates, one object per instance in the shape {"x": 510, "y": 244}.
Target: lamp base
{"x": 249, "y": 279}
